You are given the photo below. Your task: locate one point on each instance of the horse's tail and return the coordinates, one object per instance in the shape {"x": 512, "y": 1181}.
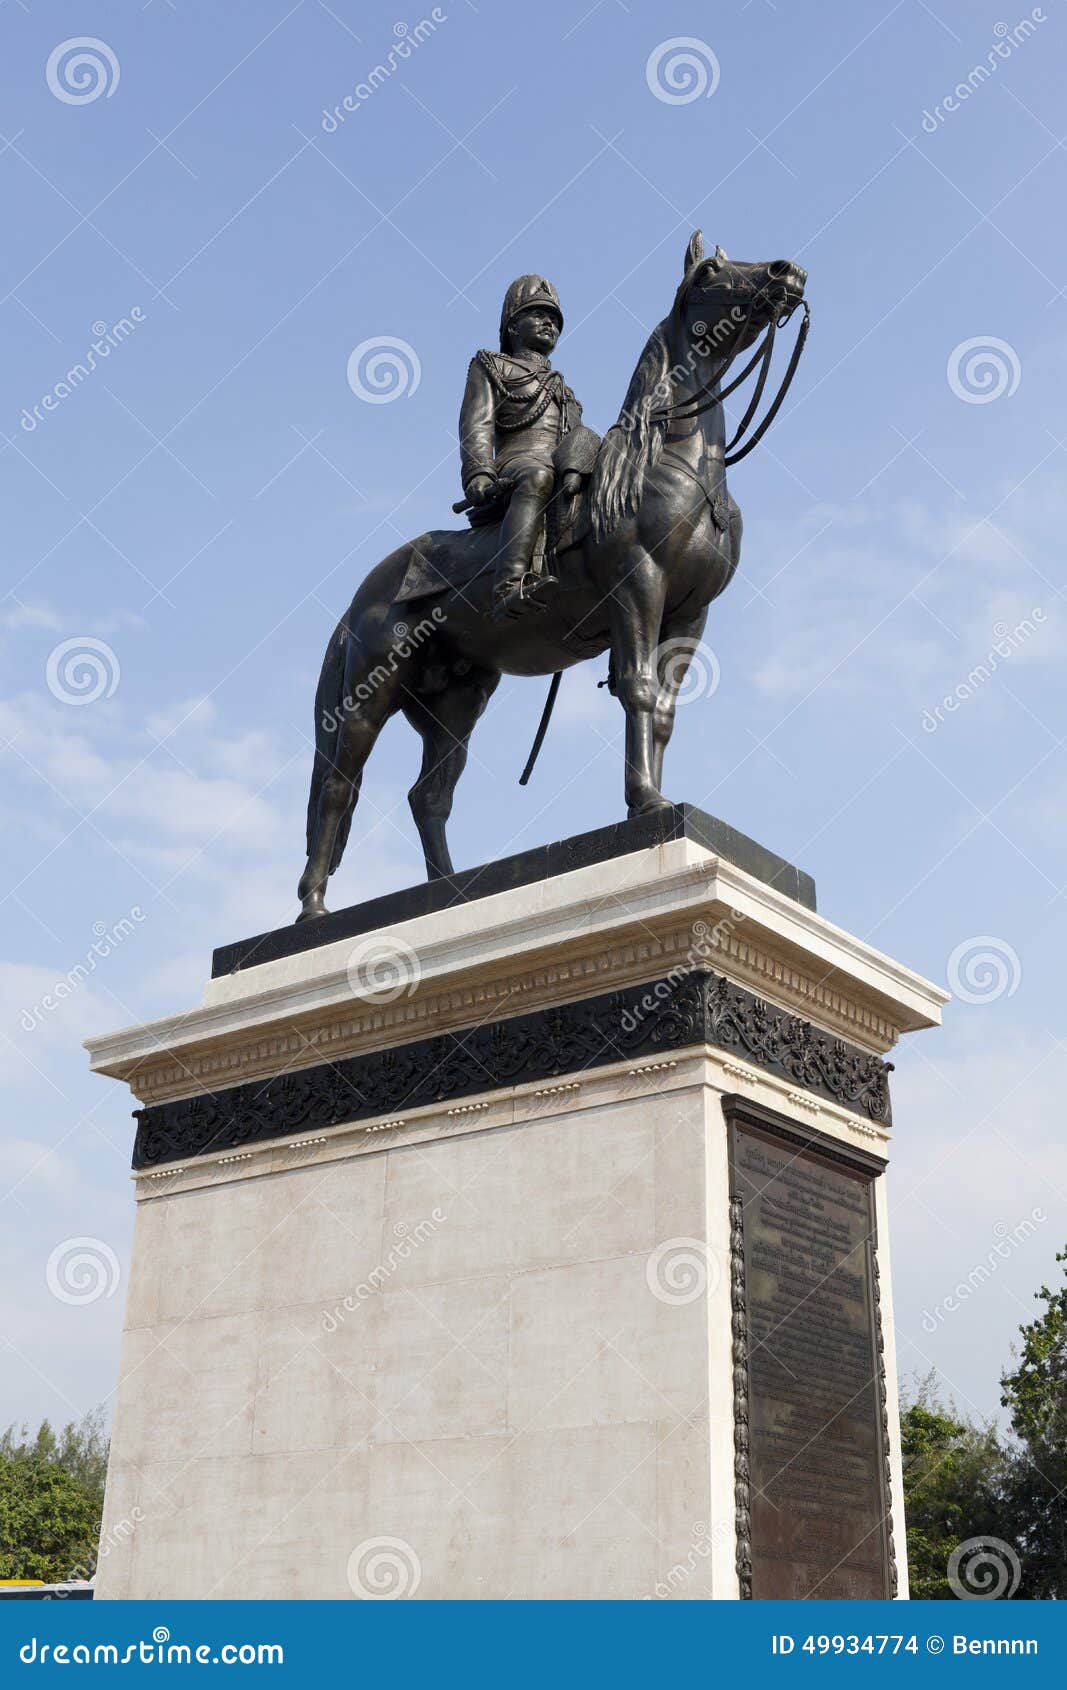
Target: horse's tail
{"x": 329, "y": 713}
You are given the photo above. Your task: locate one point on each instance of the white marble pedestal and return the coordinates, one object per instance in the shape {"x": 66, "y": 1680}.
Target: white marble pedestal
{"x": 457, "y": 1321}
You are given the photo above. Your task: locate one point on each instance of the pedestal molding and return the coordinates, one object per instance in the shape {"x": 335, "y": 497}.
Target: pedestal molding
{"x": 618, "y": 925}
{"x": 363, "y": 1026}
{"x": 515, "y": 1107}
{"x": 646, "y": 1021}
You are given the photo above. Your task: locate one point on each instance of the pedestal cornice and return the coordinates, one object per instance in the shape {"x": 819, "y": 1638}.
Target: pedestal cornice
{"x": 615, "y": 924}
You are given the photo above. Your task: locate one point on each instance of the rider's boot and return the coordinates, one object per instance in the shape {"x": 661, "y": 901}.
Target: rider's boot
{"x": 517, "y": 590}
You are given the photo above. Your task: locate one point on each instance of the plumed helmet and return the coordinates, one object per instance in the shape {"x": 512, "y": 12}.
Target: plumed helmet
{"x": 528, "y": 291}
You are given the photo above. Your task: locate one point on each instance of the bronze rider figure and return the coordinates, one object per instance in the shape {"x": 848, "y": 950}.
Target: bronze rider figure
{"x": 516, "y": 409}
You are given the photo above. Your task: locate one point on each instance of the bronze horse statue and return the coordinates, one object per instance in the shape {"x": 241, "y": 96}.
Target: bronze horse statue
{"x": 654, "y": 538}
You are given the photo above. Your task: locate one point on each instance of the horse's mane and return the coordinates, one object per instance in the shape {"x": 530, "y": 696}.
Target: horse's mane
{"x": 631, "y": 448}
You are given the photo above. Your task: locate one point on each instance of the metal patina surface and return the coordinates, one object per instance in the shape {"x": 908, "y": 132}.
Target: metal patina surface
{"x": 810, "y": 1421}
{"x": 642, "y": 531}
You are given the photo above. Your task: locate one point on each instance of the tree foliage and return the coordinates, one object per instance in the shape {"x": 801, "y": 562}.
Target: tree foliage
{"x": 51, "y": 1496}
{"x": 953, "y": 1472}
{"x": 1035, "y": 1393}
{"x": 964, "y": 1481}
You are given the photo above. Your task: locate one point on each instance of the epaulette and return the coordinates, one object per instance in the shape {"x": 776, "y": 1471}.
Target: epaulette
{"x": 490, "y": 364}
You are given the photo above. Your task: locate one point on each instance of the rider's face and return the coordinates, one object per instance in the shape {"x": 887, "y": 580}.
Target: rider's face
{"x": 535, "y": 330}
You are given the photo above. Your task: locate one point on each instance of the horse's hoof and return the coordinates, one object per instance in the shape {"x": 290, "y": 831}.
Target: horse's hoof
{"x": 649, "y": 807}
{"x": 312, "y": 911}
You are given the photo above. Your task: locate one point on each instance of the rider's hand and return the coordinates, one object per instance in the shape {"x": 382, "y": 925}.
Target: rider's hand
{"x": 572, "y": 483}
{"x": 480, "y": 489}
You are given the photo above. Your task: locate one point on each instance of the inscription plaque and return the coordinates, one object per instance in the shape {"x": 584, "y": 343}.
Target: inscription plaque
{"x": 812, "y": 1444}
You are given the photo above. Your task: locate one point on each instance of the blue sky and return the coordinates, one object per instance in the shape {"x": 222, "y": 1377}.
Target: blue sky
{"x": 202, "y": 505}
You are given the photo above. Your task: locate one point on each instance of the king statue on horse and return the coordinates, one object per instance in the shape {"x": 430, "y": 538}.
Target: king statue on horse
{"x": 576, "y": 546}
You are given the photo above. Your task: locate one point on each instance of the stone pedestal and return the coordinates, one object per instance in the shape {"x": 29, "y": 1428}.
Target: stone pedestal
{"x": 534, "y": 1246}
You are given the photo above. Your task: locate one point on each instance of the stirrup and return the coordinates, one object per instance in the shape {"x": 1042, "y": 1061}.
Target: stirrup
{"x": 515, "y": 598}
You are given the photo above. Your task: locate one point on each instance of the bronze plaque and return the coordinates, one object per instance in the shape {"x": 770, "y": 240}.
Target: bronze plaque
{"x": 816, "y": 1459}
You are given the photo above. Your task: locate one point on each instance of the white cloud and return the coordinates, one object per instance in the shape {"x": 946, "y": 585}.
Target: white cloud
{"x": 36, "y": 1170}
{"x": 190, "y": 714}
{"x": 42, "y": 1007}
{"x": 978, "y": 1159}
{"x": 30, "y": 615}
{"x": 911, "y": 597}
{"x": 194, "y": 794}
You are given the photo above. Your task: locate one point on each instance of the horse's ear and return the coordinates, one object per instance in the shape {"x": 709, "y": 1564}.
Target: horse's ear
{"x": 694, "y": 252}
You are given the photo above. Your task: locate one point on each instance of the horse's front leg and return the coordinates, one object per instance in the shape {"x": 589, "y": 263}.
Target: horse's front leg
{"x": 636, "y": 613}
{"x": 678, "y": 643}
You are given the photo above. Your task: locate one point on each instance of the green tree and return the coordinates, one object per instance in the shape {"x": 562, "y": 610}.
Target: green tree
{"x": 953, "y": 1480}
{"x": 1035, "y": 1392}
{"x": 51, "y": 1498}
{"x": 81, "y": 1448}
{"x": 49, "y": 1522}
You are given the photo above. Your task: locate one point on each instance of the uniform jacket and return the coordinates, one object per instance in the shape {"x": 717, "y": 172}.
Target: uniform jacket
{"x": 512, "y": 404}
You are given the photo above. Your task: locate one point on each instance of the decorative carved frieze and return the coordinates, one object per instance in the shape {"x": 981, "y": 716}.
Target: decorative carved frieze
{"x": 344, "y": 1030}
{"x": 678, "y": 1011}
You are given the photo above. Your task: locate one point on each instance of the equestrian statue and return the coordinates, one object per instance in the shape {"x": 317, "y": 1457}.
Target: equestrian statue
{"x": 576, "y": 546}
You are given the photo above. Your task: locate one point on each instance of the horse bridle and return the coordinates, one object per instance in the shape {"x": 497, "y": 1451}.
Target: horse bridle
{"x": 713, "y": 394}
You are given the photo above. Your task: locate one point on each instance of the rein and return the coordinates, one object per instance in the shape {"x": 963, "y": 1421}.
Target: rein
{"x": 701, "y": 401}
{"x": 711, "y": 394}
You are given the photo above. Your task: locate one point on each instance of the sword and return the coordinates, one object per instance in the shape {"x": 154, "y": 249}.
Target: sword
{"x": 542, "y": 729}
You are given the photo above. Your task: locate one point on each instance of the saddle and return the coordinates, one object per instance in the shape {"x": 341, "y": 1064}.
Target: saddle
{"x": 568, "y": 519}
{"x": 445, "y": 559}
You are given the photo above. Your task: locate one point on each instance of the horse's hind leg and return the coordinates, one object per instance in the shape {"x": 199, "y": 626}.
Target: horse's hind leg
{"x": 361, "y": 723}
{"x": 445, "y": 721}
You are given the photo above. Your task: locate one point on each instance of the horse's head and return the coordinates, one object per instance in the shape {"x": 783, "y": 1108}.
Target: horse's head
{"x": 726, "y": 304}
{"x": 721, "y": 308}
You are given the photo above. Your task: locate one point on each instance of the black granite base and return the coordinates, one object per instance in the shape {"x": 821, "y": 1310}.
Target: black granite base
{"x": 681, "y": 821}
